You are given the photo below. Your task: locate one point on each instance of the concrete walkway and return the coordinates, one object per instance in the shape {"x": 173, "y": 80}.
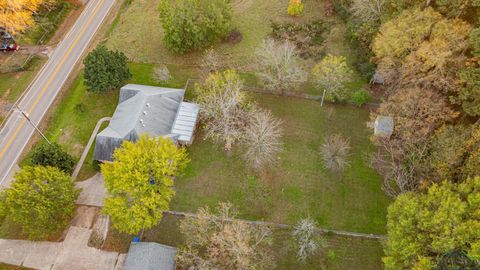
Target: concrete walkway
{"x": 71, "y": 254}
{"x": 87, "y": 148}
{"x": 93, "y": 191}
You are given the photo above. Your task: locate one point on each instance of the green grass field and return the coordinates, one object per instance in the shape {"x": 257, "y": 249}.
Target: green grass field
{"x": 299, "y": 185}
{"x": 12, "y": 85}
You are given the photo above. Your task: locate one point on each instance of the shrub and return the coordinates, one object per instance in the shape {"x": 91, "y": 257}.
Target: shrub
{"x": 307, "y": 37}
{"x": 41, "y": 200}
{"x": 307, "y": 239}
{"x": 295, "y": 8}
{"x": 334, "y": 151}
{"x": 194, "y": 24}
{"x": 53, "y": 155}
{"x": 210, "y": 62}
{"x": 360, "y": 97}
{"x": 105, "y": 69}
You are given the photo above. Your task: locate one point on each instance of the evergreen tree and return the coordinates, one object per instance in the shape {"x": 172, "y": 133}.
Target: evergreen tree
{"x": 105, "y": 69}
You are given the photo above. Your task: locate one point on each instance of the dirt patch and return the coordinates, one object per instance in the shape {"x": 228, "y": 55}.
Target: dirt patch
{"x": 69, "y": 21}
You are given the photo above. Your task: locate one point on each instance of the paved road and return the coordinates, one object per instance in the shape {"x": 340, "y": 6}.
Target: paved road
{"x": 43, "y": 90}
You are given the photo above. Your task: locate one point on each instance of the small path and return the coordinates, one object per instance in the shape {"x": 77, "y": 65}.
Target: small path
{"x": 93, "y": 191}
{"x": 35, "y": 49}
{"x": 87, "y": 148}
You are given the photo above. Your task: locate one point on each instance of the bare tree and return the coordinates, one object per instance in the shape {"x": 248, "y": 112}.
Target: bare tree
{"x": 262, "y": 139}
{"x": 222, "y": 107}
{"x": 334, "y": 151}
{"x": 278, "y": 65}
{"x": 210, "y": 62}
{"x": 367, "y": 10}
{"x": 307, "y": 238}
{"x": 219, "y": 241}
{"x": 400, "y": 165}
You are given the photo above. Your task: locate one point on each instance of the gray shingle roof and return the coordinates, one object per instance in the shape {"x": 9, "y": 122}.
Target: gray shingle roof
{"x": 150, "y": 256}
{"x": 144, "y": 109}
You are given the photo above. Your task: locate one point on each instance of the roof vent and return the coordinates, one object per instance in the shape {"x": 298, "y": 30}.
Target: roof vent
{"x": 148, "y": 105}
{"x": 141, "y": 120}
{"x": 144, "y": 112}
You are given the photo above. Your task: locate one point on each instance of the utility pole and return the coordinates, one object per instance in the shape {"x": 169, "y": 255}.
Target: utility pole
{"x": 25, "y": 114}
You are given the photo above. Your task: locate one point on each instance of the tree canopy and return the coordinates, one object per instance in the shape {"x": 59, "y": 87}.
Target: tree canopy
{"x": 422, "y": 48}
{"x": 105, "y": 69}
{"x": 194, "y": 24}
{"x": 53, "y": 155}
{"x": 223, "y": 105}
{"x": 17, "y": 15}
{"x": 423, "y": 226}
{"x": 41, "y": 199}
{"x": 417, "y": 113}
{"x": 331, "y": 74}
{"x": 216, "y": 240}
{"x": 139, "y": 182}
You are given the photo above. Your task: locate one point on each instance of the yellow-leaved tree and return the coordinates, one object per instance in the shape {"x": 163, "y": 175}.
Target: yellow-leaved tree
{"x": 17, "y": 15}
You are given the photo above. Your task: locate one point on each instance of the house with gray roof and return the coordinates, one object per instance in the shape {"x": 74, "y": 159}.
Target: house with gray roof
{"x": 156, "y": 111}
{"x": 150, "y": 256}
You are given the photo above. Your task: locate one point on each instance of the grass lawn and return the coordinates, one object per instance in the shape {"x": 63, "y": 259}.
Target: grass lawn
{"x": 12, "y": 85}
{"x": 299, "y": 185}
{"x": 252, "y": 18}
{"x": 340, "y": 253}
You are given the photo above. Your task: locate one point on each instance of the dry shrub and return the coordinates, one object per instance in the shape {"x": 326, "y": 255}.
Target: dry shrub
{"x": 307, "y": 239}
{"x": 210, "y": 62}
{"x": 161, "y": 74}
{"x": 335, "y": 150}
{"x": 262, "y": 139}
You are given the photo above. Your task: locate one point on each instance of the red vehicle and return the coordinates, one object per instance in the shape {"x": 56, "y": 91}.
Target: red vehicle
{"x": 9, "y": 47}
{"x": 7, "y": 43}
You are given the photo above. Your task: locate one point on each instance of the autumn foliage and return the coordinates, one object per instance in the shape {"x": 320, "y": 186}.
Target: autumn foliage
{"x": 17, "y": 15}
